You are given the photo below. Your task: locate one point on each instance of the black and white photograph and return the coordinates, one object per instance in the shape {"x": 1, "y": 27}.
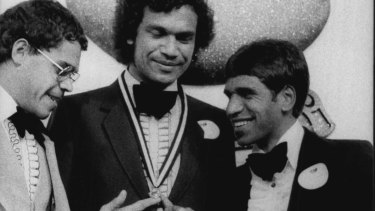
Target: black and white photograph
{"x": 186, "y": 105}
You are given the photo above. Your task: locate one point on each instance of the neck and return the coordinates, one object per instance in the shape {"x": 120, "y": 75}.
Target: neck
{"x": 133, "y": 72}
{"x": 270, "y": 142}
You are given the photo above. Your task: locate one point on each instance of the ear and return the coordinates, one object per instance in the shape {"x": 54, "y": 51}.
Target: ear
{"x": 287, "y": 98}
{"x": 20, "y": 50}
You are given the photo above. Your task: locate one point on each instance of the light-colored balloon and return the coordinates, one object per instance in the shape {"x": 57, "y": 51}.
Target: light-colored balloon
{"x": 6, "y": 4}
{"x": 237, "y": 22}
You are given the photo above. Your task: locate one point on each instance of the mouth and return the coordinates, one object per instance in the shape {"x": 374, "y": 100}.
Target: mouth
{"x": 237, "y": 124}
{"x": 54, "y": 98}
{"x": 169, "y": 64}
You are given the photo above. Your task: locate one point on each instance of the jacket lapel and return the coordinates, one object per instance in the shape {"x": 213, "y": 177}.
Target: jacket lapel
{"x": 59, "y": 194}
{"x": 189, "y": 152}
{"x": 120, "y": 130}
{"x": 311, "y": 153}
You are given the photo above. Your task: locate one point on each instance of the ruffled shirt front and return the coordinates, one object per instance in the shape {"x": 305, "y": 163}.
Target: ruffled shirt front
{"x": 25, "y": 149}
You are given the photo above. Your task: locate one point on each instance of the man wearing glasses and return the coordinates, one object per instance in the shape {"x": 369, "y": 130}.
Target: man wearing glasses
{"x": 40, "y": 49}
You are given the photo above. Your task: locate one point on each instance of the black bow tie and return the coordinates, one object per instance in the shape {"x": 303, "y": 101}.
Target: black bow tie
{"x": 266, "y": 165}
{"x": 26, "y": 121}
{"x": 152, "y": 100}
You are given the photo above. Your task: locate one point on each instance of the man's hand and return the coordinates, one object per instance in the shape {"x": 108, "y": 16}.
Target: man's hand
{"x": 140, "y": 205}
{"x": 168, "y": 206}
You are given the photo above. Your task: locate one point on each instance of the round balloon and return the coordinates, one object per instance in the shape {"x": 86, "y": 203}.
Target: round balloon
{"x": 237, "y": 22}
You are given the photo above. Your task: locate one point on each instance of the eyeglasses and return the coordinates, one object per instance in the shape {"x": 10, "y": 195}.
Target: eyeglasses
{"x": 64, "y": 73}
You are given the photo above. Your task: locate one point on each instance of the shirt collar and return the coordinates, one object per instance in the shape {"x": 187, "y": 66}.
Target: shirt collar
{"x": 293, "y": 137}
{"x": 8, "y": 105}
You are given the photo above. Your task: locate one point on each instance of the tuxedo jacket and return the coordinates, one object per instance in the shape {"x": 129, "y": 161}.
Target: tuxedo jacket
{"x": 350, "y": 177}
{"x": 98, "y": 153}
{"x": 13, "y": 190}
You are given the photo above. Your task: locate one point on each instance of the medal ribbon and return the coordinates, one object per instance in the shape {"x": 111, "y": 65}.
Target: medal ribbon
{"x": 173, "y": 150}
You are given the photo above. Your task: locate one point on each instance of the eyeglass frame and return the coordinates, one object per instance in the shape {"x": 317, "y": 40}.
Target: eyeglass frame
{"x": 68, "y": 70}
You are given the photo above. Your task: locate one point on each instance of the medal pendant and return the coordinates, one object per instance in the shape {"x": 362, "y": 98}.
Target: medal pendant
{"x": 155, "y": 193}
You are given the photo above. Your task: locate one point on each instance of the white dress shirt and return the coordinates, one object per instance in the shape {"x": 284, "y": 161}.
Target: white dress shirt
{"x": 29, "y": 156}
{"x": 274, "y": 195}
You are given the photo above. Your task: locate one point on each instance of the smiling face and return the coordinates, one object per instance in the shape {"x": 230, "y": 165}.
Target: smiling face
{"x": 254, "y": 111}
{"x": 164, "y": 45}
{"x": 39, "y": 87}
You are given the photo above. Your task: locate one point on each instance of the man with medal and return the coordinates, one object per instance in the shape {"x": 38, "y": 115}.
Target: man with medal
{"x": 142, "y": 133}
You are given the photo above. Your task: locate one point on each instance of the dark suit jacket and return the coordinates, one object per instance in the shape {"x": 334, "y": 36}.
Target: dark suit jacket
{"x": 99, "y": 156}
{"x": 350, "y": 182}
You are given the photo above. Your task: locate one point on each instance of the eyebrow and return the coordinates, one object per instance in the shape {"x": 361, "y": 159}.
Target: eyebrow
{"x": 155, "y": 27}
{"x": 241, "y": 91}
{"x": 186, "y": 34}
{"x": 64, "y": 63}
{"x": 245, "y": 90}
{"x": 164, "y": 30}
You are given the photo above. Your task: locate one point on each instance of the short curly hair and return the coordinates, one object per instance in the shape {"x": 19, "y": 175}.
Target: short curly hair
{"x": 43, "y": 23}
{"x": 129, "y": 15}
{"x": 276, "y": 63}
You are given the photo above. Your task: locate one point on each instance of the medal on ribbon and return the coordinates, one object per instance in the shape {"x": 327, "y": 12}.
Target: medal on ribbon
{"x": 156, "y": 177}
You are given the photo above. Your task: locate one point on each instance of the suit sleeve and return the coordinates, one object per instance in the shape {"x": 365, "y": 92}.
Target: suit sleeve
{"x": 357, "y": 159}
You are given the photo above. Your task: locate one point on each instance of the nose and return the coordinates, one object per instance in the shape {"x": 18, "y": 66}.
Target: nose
{"x": 67, "y": 85}
{"x": 234, "y": 106}
{"x": 170, "y": 47}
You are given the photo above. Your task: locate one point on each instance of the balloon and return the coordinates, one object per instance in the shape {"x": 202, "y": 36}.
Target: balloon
{"x": 237, "y": 22}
